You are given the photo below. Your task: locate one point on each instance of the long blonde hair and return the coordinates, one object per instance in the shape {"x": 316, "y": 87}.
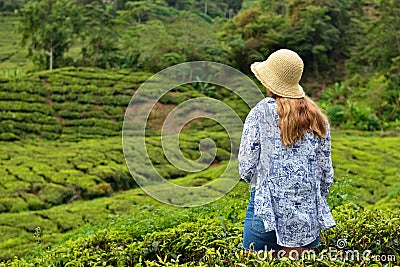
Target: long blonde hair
{"x": 297, "y": 116}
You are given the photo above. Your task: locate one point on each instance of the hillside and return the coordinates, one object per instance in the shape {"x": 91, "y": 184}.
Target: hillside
{"x": 69, "y": 106}
{"x": 74, "y": 103}
{"x": 79, "y": 178}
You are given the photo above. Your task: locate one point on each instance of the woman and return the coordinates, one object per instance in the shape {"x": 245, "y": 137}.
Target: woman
{"x": 285, "y": 155}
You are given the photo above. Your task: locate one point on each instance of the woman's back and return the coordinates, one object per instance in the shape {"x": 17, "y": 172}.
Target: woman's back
{"x": 287, "y": 179}
{"x": 285, "y": 155}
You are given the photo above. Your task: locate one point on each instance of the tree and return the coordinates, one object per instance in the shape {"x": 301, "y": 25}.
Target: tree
{"x": 11, "y": 5}
{"x": 252, "y": 35}
{"x": 375, "y": 58}
{"x": 137, "y": 12}
{"x": 48, "y": 29}
{"x": 195, "y": 38}
{"x": 99, "y": 36}
{"x": 378, "y": 42}
{"x": 278, "y": 7}
{"x": 185, "y": 4}
{"x": 182, "y": 37}
{"x": 312, "y": 34}
{"x": 142, "y": 41}
{"x": 119, "y": 4}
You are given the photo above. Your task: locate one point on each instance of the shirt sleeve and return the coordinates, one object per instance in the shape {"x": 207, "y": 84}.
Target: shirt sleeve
{"x": 325, "y": 163}
{"x": 249, "y": 150}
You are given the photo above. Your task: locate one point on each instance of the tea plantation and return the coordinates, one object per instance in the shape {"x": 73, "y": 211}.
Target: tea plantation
{"x": 68, "y": 199}
{"x": 132, "y": 228}
{"x": 70, "y": 102}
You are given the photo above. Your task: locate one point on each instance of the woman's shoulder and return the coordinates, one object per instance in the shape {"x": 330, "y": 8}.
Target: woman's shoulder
{"x": 267, "y": 106}
{"x": 266, "y": 103}
{"x": 263, "y": 109}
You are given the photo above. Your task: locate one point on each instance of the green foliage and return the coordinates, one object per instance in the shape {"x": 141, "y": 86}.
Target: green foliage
{"x": 12, "y": 205}
{"x": 341, "y": 192}
{"x": 336, "y": 114}
{"x": 370, "y": 96}
{"x": 362, "y": 230}
{"x": 207, "y": 89}
{"x": 48, "y": 29}
{"x": 11, "y": 5}
{"x": 174, "y": 42}
{"x": 362, "y": 117}
{"x": 209, "y": 235}
{"x": 12, "y": 59}
{"x": 317, "y": 30}
{"x": 55, "y": 194}
{"x": 376, "y": 47}
{"x": 314, "y": 35}
{"x": 98, "y": 34}
{"x": 372, "y": 106}
{"x": 223, "y": 9}
{"x": 251, "y": 35}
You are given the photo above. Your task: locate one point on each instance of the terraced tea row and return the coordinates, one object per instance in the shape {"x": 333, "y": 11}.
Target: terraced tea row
{"x": 37, "y": 175}
{"x": 74, "y": 103}
{"x": 372, "y": 163}
{"x": 130, "y": 228}
{"x": 68, "y": 102}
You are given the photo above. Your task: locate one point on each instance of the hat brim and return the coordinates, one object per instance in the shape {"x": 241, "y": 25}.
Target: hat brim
{"x": 253, "y": 68}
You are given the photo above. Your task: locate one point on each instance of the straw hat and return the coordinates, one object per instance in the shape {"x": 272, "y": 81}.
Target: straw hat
{"x": 281, "y": 73}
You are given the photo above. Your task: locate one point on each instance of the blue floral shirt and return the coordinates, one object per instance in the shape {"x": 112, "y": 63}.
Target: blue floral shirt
{"x": 291, "y": 183}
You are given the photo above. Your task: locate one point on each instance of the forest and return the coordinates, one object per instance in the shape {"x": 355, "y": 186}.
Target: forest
{"x": 69, "y": 69}
{"x": 350, "y": 48}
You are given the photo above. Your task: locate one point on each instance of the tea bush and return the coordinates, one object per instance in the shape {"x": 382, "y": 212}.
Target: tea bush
{"x": 48, "y": 183}
{"x": 367, "y": 161}
{"x": 88, "y": 169}
{"x": 366, "y": 171}
{"x": 77, "y": 103}
{"x": 51, "y": 104}
{"x": 211, "y": 235}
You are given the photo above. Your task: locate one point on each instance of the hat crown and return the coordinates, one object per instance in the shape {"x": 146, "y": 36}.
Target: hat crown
{"x": 281, "y": 73}
{"x": 286, "y": 65}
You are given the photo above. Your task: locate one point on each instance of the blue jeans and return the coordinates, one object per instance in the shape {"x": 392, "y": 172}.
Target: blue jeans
{"x": 254, "y": 235}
